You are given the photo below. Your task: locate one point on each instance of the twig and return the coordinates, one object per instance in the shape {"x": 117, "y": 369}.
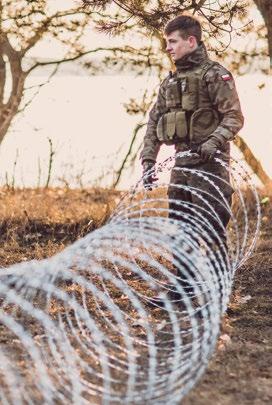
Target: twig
{"x": 51, "y": 155}
{"x": 120, "y": 170}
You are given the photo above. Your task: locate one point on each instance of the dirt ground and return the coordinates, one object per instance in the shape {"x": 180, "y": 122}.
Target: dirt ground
{"x": 39, "y": 223}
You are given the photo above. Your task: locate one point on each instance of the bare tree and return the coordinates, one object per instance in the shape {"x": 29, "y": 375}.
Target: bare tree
{"x": 24, "y": 25}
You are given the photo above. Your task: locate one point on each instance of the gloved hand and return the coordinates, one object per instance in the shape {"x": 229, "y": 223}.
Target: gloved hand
{"x": 149, "y": 176}
{"x": 208, "y": 149}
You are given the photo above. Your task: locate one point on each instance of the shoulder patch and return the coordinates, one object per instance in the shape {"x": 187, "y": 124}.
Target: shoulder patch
{"x": 226, "y": 77}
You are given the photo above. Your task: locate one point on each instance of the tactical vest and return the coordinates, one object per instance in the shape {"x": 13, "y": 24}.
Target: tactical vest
{"x": 190, "y": 116}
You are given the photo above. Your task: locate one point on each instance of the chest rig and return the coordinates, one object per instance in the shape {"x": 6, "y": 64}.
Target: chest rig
{"x": 190, "y": 116}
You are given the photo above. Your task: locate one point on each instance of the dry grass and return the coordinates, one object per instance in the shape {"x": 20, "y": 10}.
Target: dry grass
{"x": 39, "y": 223}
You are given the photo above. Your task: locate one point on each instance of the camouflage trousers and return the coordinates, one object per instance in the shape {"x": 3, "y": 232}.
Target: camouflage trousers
{"x": 206, "y": 196}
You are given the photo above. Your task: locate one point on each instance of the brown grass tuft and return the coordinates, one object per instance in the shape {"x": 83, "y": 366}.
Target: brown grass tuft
{"x": 37, "y": 223}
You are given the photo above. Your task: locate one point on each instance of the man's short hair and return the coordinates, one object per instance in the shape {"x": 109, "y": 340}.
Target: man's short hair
{"x": 186, "y": 25}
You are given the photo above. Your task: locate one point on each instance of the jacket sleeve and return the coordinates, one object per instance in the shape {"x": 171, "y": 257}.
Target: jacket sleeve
{"x": 225, "y": 100}
{"x": 151, "y": 142}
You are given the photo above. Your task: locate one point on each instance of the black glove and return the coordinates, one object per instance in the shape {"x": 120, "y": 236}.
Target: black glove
{"x": 149, "y": 176}
{"x": 208, "y": 149}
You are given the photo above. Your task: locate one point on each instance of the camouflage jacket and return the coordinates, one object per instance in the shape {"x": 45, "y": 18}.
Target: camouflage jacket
{"x": 221, "y": 91}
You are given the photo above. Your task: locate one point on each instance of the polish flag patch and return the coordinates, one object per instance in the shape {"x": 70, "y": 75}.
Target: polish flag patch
{"x": 226, "y": 77}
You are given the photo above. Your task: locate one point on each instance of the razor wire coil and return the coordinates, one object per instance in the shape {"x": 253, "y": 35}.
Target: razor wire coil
{"x": 80, "y": 325}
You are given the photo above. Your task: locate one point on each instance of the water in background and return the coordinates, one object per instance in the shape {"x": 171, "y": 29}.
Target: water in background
{"x": 90, "y": 130}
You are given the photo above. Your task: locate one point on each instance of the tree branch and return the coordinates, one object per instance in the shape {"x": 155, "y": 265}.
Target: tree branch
{"x": 43, "y": 28}
{"x": 38, "y": 90}
{"x": 120, "y": 170}
{"x": 73, "y": 58}
{"x": 2, "y": 78}
{"x": 250, "y": 159}
{"x": 199, "y": 5}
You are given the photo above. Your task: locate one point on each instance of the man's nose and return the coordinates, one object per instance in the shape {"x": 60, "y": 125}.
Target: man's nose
{"x": 168, "y": 48}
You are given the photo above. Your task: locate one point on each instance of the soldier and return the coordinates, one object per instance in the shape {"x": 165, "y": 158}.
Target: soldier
{"x": 197, "y": 109}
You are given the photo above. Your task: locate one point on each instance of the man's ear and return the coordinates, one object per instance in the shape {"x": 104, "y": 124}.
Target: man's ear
{"x": 192, "y": 41}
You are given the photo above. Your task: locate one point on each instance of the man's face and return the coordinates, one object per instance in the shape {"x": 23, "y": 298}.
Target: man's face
{"x": 179, "y": 47}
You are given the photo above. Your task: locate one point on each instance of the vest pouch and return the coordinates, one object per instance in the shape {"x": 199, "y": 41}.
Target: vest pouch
{"x": 172, "y": 127}
{"x": 181, "y": 126}
{"x": 190, "y": 90}
{"x": 173, "y": 95}
{"x": 166, "y": 127}
{"x": 160, "y": 129}
{"x": 204, "y": 122}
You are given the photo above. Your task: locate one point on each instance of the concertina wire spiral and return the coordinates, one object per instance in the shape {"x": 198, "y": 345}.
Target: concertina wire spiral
{"x": 79, "y": 326}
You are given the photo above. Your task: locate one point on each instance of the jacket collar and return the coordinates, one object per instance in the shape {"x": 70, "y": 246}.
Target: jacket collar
{"x": 195, "y": 58}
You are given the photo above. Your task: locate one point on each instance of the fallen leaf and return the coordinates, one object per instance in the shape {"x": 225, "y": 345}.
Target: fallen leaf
{"x": 161, "y": 325}
{"x": 265, "y": 200}
{"x": 224, "y": 341}
{"x": 244, "y": 300}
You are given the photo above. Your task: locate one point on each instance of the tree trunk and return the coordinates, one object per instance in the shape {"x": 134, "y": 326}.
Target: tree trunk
{"x": 251, "y": 160}
{"x": 265, "y": 8}
{"x": 9, "y": 109}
